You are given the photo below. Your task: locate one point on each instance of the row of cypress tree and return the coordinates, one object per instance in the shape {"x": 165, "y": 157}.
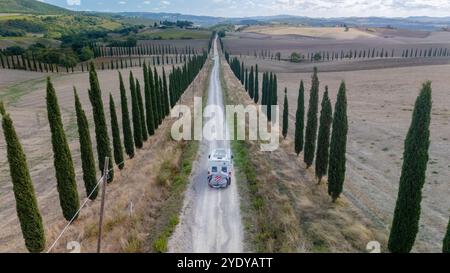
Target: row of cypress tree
{"x": 23, "y": 62}
{"x": 330, "y": 135}
{"x": 159, "y": 99}
{"x": 250, "y": 81}
{"x": 353, "y": 54}
{"x": 143, "y": 50}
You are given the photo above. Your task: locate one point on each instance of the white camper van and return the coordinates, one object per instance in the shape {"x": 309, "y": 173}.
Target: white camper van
{"x": 219, "y": 168}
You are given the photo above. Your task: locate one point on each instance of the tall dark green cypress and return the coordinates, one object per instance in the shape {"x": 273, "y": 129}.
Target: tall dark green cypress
{"x": 26, "y": 204}
{"x": 126, "y": 123}
{"x": 274, "y": 93}
{"x": 117, "y": 142}
{"x": 311, "y": 123}
{"x": 256, "y": 86}
{"x": 300, "y": 120}
{"x": 135, "y": 113}
{"x": 251, "y": 83}
{"x": 157, "y": 96}
{"x": 246, "y": 80}
{"x": 323, "y": 139}
{"x": 263, "y": 89}
{"x": 285, "y": 115}
{"x": 153, "y": 86}
{"x": 148, "y": 102}
{"x": 338, "y": 145}
{"x": 87, "y": 154}
{"x": 405, "y": 224}
{"x": 65, "y": 173}
{"x": 165, "y": 94}
{"x": 141, "y": 111}
{"x": 446, "y": 242}
{"x": 101, "y": 130}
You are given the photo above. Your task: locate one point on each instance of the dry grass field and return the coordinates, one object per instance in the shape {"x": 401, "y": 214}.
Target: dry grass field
{"x": 339, "y": 33}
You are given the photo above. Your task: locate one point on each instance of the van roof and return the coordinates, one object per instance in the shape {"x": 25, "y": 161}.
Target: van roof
{"x": 219, "y": 154}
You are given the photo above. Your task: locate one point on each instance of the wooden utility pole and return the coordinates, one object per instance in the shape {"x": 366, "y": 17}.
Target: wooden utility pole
{"x": 102, "y": 206}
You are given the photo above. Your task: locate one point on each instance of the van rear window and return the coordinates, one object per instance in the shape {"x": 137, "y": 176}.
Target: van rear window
{"x": 214, "y": 169}
{"x": 224, "y": 169}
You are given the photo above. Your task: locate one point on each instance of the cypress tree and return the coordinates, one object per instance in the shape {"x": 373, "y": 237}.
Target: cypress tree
{"x": 405, "y": 224}
{"x": 26, "y": 203}
{"x": 338, "y": 145}
{"x": 300, "y": 119}
{"x": 256, "y": 86}
{"x": 117, "y": 142}
{"x": 285, "y": 115}
{"x": 153, "y": 86}
{"x": 251, "y": 83}
{"x": 141, "y": 111}
{"x": 135, "y": 113}
{"x": 311, "y": 123}
{"x": 323, "y": 139}
{"x": 101, "y": 130}
{"x": 273, "y": 93}
{"x": 148, "y": 102}
{"x": 126, "y": 126}
{"x": 165, "y": 94}
{"x": 65, "y": 173}
{"x": 156, "y": 98}
{"x": 446, "y": 242}
{"x": 161, "y": 100}
{"x": 87, "y": 155}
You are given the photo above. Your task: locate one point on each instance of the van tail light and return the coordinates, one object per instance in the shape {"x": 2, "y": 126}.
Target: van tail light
{"x": 229, "y": 173}
{"x": 209, "y": 173}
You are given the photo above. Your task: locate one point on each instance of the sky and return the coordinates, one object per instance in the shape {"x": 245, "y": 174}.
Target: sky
{"x": 245, "y": 8}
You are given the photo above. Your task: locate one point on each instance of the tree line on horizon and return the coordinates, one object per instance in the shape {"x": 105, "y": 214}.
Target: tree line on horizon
{"x": 161, "y": 93}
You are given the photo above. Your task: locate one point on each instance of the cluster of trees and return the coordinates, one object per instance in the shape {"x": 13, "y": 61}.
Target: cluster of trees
{"x": 20, "y": 27}
{"x": 147, "y": 113}
{"x": 178, "y": 23}
{"x": 142, "y": 50}
{"x": 41, "y": 58}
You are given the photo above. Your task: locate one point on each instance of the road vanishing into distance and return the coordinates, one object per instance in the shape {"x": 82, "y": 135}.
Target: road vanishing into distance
{"x": 210, "y": 220}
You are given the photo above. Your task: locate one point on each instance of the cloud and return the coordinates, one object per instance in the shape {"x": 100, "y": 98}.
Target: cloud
{"x": 122, "y": 2}
{"x": 73, "y": 2}
{"x": 165, "y": 3}
{"x": 146, "y": 2}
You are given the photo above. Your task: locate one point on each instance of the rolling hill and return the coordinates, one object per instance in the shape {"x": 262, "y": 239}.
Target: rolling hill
{"x": 30, "y": 6}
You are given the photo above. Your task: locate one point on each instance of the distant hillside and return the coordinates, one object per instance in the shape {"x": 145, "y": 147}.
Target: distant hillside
{"x": 417, "y": 23}
{"x": 29, "y": 6}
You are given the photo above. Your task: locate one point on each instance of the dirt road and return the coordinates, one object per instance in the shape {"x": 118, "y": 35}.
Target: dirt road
{"x": 210, "y": 220}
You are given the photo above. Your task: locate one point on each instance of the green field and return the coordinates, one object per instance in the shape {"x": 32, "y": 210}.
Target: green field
{"x": 29, "y": 6}
{"x": 27, "y": 41}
